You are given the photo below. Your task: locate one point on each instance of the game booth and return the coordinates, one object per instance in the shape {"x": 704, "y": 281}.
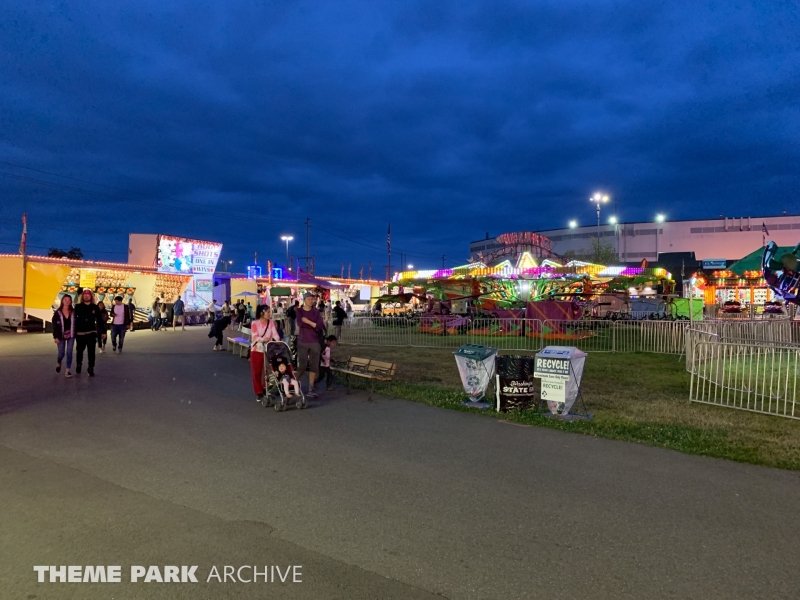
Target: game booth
{"x": 46, "y": 280}
{"x": 193, "y": 260}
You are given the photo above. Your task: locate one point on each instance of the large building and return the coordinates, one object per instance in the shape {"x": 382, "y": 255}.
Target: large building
{"x": 712, "y": 239}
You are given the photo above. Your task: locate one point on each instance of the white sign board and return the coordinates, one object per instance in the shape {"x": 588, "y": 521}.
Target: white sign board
{"x": 554, "y": 389}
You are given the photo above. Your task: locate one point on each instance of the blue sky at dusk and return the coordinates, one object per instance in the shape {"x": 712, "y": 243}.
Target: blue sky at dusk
{"x": 235, "y": 121}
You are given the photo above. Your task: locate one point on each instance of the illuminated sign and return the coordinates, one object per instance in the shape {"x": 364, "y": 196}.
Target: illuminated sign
{"x": 253, "y": 271}
{"x": 277, "y": 272}
{"x": 179, "y": 255}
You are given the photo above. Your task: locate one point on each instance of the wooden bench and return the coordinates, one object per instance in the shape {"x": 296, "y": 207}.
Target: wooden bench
{"x": 242, "y": 342}
{"x": 374, "y": 370}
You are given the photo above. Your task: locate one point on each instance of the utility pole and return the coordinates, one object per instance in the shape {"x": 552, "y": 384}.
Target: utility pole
{"x": 361, "y": 272}
{"x": 369, "y": 271}
{"x": 342, "y": 274}
{"x": 442, "y": 261}
{"x": 308, "y": 244}
{"x": 349, "y": 266}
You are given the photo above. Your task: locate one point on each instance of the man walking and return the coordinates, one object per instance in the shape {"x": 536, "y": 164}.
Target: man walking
{"x": 178, "y": 313}
{"x": 87, "y": 324}
{"x": 310, "y": 323}
{"x": 339, "y": 316}
{"x": 121, "y": 320}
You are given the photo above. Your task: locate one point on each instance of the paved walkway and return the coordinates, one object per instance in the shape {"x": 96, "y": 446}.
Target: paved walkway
{"x": 165, "y": 458}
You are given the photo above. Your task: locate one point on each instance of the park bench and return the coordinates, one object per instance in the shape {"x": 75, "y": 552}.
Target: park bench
{"x": 373, "y": 370}
{"x": 240, "y": 342}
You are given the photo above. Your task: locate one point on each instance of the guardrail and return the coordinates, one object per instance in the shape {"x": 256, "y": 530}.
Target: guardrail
{"x": 756, "y": 376}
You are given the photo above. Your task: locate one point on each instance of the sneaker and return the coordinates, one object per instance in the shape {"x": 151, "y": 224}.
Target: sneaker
{"x": 91, "y": 372}
{"x": 68, "y": 375}
{"x": 259, "y": 397}
{"x": 58, "y": 368}
{"x": 101, "y": 351}
{"x": 113, "y": 348}
{"x": 311, "y": 393}
{"x": 78, "y": 369}
{"x": 120, "y": 350}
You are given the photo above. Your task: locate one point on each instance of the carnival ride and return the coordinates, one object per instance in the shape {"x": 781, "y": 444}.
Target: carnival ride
{"x": 549, "y": 299}
{"x": 782, "y": 275}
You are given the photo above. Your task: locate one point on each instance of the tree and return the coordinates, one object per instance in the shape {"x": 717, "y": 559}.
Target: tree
{"x": 73, "y": 253}
{"x": 600, "y": 253}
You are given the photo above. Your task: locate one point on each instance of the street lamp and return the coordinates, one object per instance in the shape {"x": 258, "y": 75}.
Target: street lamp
{"x": 612, "y": 220}
{"x": 410, "y": 267}
{"x": 659, "y": 219}
{"x": 599, "y": 199}
{"x": 287, "y": 239}
{"x": 573, "y": 224}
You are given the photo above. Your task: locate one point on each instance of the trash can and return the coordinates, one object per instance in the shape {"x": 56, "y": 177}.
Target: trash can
{"x": 476, "y": 366}
{"x": 515, "y": 383}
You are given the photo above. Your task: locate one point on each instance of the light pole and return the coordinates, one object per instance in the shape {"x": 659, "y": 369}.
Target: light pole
{"x": 573, "y": 224}
{"x": 599, "y": 199}
{"x": 659, "y": 219}
{"x": 287, "y": 239}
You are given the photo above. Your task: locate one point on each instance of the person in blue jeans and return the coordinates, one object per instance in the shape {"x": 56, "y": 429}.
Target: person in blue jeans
{"x": 64, "y": 332}
{"x": 121, "y": 319}
{"x": 179, "y": 312}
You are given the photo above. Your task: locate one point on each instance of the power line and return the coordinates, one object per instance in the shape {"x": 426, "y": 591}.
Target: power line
{"x": 168, "y": 203}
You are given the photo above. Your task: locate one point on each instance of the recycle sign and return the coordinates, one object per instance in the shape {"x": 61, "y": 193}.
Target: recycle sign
{"x": 560, "y": 369}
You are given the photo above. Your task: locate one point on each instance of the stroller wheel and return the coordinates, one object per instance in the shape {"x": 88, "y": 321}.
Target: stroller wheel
{"x": 301, "y": 402}
{"x": 280, "y": 403}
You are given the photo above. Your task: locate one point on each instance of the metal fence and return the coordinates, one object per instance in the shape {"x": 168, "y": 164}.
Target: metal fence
{"x": 591, "y": 335}
{"x": 758, "y": 376}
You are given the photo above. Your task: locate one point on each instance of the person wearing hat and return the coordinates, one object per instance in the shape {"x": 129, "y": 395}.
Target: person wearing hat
{"x": 311, "y": 325}
{"x": 87, "y": 324}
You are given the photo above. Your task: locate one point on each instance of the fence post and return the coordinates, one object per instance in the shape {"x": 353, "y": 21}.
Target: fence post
{"x": 613, "y": 337}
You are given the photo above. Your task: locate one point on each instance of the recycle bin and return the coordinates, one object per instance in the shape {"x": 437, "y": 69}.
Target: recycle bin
{"x": 476, "y": 366}
{"x": 515, "y": 387}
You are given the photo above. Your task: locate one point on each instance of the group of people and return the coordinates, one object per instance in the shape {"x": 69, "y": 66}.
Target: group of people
{"x": 313, "y": 348}
{"x": 84, "y": 325}
{"x": 160, "y": 310}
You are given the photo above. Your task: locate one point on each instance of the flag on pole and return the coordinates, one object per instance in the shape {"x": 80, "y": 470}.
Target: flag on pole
{"x": 24, "y": 241}
{"x": 764, "y": 228}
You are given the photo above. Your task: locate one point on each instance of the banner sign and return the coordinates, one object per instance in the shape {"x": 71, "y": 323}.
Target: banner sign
{"x": 88, "y": 279}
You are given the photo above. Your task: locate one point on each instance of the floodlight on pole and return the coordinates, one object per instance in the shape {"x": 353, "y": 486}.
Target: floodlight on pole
{"x": 573, "y": 224}
{"x": 410, "y": 267}
{"x": 659, "y": 219}
{"x": 612, "y": 220}
{"x": 287, "y": 239}
{"x": 599, "y": 199}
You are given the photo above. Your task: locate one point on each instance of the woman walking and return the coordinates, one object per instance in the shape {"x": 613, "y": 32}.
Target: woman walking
{"x": 262, "y": 330}
{"x": 102, "y": 327}
{"x": 164, "y": 314}
{"x": 64, "y": 332}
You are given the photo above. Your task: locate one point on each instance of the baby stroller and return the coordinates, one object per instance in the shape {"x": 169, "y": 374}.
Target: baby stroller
{"x": 275, "y": 394}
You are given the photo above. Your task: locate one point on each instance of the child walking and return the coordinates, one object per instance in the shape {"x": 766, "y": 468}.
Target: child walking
{"x": 325, "y": 362}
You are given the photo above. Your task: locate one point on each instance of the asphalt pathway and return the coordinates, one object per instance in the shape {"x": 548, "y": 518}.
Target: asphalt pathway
{"x": 164, "y": 458}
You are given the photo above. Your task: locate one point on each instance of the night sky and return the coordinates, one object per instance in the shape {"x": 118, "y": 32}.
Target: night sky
{"x": 234, "y": 121}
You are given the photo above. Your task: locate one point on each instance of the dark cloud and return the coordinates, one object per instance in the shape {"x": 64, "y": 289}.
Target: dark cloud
{"x": 235, "y": 121}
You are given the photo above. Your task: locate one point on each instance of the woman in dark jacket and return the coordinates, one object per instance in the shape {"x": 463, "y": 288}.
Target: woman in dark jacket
{"x": 87, "y": 322}
{"x": 102, "y": 327}
{"x": 64, "y": 332}
{"x": 217, "y": 329}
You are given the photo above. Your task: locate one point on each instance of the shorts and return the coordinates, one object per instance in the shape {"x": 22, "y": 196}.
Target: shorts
{"x": 308, "y": 357}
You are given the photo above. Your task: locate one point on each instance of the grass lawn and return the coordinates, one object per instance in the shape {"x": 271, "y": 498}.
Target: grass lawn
{"x": 634, "y": 397}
